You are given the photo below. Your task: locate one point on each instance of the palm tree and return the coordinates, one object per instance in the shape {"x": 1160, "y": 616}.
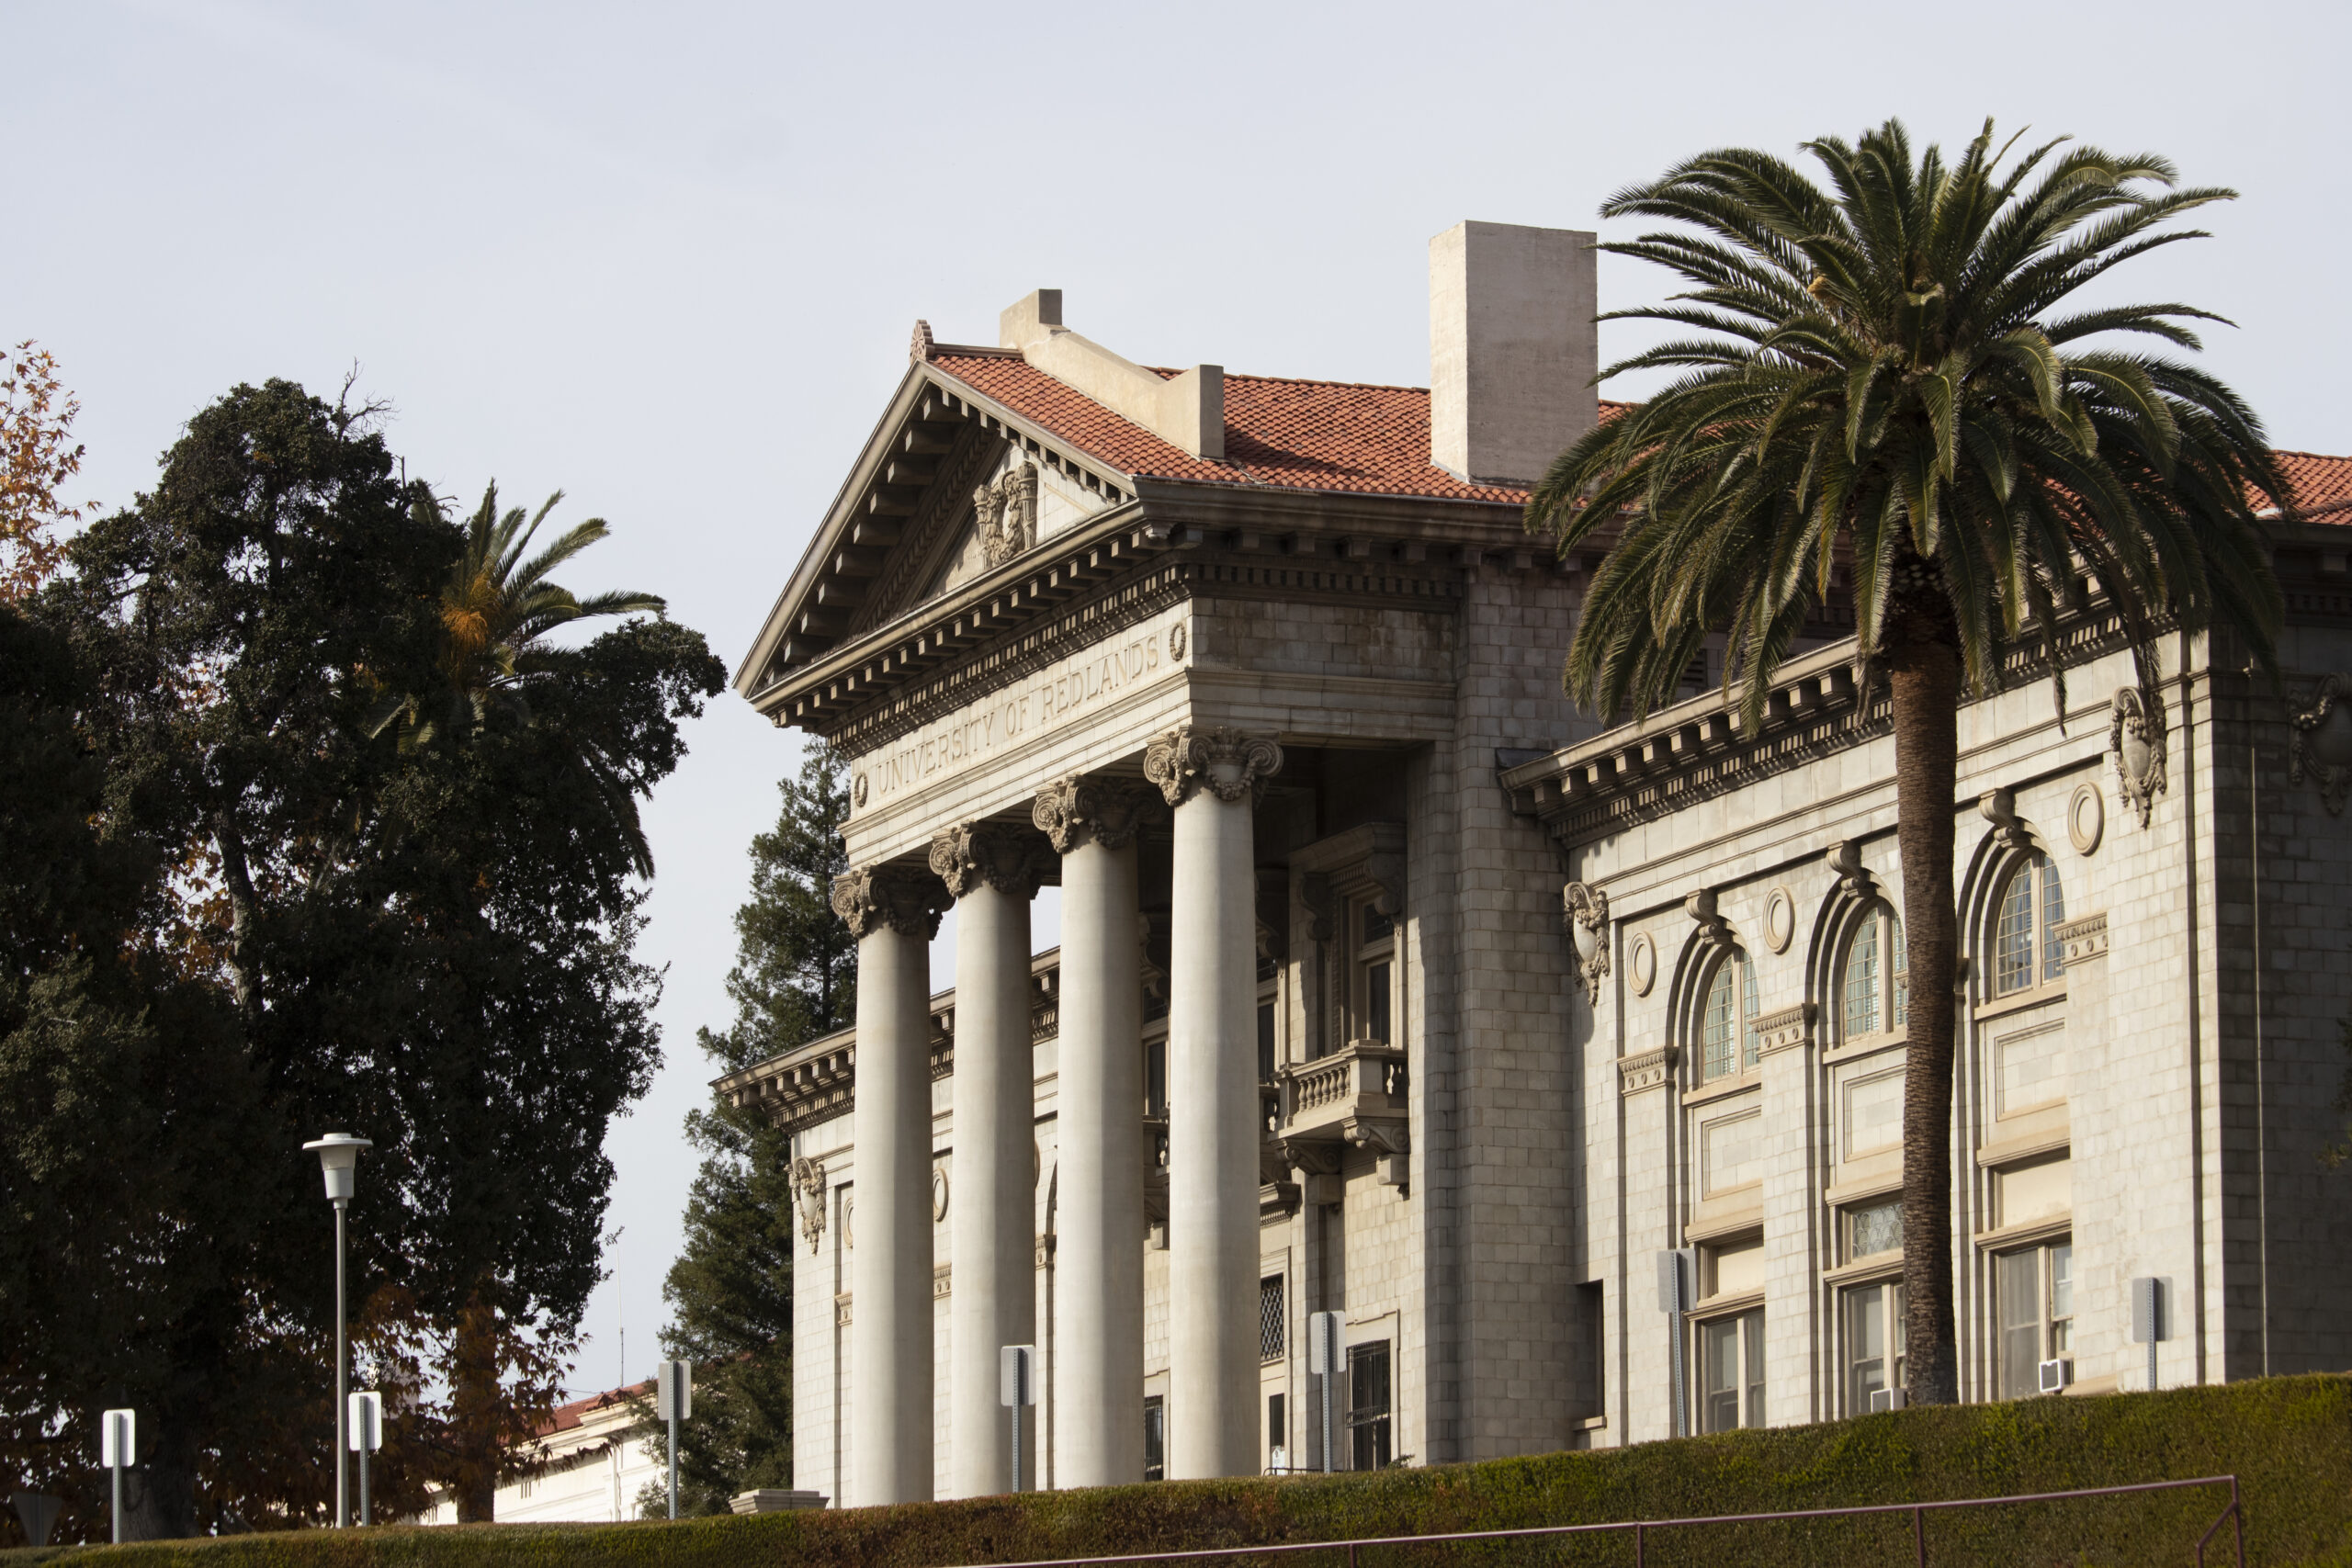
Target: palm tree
{"x": 497, "y": 610}
{"x": 1894, "y": 380}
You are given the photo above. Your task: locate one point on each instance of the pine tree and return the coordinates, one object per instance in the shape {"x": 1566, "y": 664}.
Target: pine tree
{"x": 795, "y": 979}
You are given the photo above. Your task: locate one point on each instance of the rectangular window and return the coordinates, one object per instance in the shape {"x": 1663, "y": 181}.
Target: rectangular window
{"x": 1378, "y": 988}
{"x": 1875, "y": 1229}
{"x": 2034, "y": 1293}
{"x": 1873, "y": 1326}
{"x": 1266, "y": 1040}
{"x": 1731, "y": 1372}
{"x": 1269, "y": 1318}
{"x": 1368, "y": 1404}
{"x": 1277, "y": 1435}
{"x": 1155, "y": 1077}
{"x": 1155, "y": 1439}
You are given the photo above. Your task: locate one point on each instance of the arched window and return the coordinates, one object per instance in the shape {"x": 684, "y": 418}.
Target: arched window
{"x": 1727, "y": 1041}
{"x": 1876, "y": 994}
{"x": 2026, "y": 950}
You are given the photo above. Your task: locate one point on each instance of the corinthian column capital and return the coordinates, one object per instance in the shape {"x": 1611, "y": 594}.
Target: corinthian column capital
{"x": 871, "y": 898}
{"x": 995, "y": 853}
{"x": 1225, "y": 761}
{"x": 1079, "y": 810}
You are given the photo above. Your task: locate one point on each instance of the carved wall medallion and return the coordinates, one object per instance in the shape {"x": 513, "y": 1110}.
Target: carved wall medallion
{"x": 1713, "y": 930}
{"x": 871, "y": 898}
{"x": 1641, "y": 965}
{"x": 857, "y": 792}
{"x": 1006, "y": 514}
{"x": 809, "y": 1183}
{"x": 849, "y": 1222}
{"x": 1223, "y": 761}
{"x": 2087, "y": 818}
{"x": 1178, "y": 640}
{"x": 938, "y": 1193}
{"x": 2321, "y": 743}
{"x": 1585, "y": 911}
{"x": 1082, "y": 810}
{"x": 2135, "y": 738}
{"x": 1779, "y": 920}
{"x": 972, "y": 854}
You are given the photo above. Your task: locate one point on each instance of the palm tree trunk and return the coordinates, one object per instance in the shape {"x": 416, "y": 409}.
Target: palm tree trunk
{"x": 1924, "y": 675}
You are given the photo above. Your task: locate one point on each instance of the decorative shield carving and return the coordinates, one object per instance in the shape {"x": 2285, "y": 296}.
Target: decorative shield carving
{"x": 1585, "y": 910}
{"x": 2321, "y": 744}
{"x": 809, "y": 1182}
{"x": 2135, "y": 737}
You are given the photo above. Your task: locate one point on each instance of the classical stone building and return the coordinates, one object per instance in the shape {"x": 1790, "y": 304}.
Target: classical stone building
{"x": 1563, "y": 1062}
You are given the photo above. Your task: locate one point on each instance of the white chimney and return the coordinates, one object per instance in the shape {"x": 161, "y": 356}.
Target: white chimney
{"x": 1512, "y": 348}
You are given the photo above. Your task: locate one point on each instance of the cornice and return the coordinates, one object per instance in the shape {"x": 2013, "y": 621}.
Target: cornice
{"x": 1698, "y": 748}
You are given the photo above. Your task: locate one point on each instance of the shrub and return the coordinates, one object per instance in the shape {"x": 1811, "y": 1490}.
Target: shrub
{"x": 2287, "y": 1440}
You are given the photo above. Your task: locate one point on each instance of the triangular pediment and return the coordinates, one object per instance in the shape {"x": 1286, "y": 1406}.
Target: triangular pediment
{"x": 949, "y": 487}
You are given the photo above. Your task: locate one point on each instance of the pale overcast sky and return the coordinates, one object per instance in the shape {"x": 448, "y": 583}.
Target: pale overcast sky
{"x": 667, "y": 257}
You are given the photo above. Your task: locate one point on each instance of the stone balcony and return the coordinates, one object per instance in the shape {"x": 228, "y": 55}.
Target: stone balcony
{"x": 1356, "y": 1096}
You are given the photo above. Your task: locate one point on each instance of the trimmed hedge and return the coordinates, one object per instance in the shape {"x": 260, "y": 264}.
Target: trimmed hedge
{"x": 2289, "y": 1440}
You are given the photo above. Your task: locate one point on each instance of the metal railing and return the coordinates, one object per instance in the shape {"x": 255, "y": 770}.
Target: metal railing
{"x": 1640, "y": 1529}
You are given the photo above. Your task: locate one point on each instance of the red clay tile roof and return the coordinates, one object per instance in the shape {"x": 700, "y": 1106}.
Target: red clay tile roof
{"x": 2323, "y": 484}
{"x": 563, "y": 1417}
{"x": 1291, "y": 434}
{"x": 1341, "y": 435}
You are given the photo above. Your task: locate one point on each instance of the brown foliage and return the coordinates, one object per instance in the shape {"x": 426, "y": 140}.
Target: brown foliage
{"x": 36, "y": 421}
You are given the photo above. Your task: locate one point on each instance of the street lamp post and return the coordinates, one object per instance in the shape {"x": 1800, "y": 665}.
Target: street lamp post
{"x": 338, "y": 1161}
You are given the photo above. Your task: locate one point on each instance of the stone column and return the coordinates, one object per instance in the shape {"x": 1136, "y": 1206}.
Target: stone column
{"x": 1098, "y": 1262}
{"x": 894, "y": 913}
{"x": 992, "y": 870}
{"x": 1212, "y": 778}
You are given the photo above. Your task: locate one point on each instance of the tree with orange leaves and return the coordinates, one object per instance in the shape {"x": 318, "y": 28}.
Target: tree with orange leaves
{"x": 36, "y": 424}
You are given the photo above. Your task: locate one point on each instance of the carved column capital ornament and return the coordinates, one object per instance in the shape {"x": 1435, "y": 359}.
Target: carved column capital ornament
{"x": 1225, "y": 761}
{"x": 1713, "y": 930}
{"x": 995, "y": 853}
{"x": 2135, "y": 737}
{"x": 898, "y": 896}
{"x": 1080, "y": 810}
{"x": 1999, "y": 807}
{"x": 1585, "y": 911}
{"x": 2321, "y": 742}
{"x": 809, "y": 1182}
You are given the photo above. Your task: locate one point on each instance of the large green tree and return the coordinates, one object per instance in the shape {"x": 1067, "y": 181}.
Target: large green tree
{"x": 1896, "y": 376}
{"x": 430, "y": 945}
{"x": 730, "y": 1291}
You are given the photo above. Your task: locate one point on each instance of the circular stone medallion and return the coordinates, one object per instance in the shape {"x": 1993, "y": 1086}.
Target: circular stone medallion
{"x": 1779, "y": 920}
{"x": 1643, "y": 965}
{"x": 938, "y": 1193}
{"x": 2087, "y": 818}
{"x": 1176, "y": 642}
{"x": 857, "y": 791}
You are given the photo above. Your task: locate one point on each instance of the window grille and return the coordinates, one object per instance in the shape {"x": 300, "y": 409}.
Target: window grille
{"x": 1861, "y": 979}
{"x": 2013, "y": 938}
{"x": 1269, "y": 1318}
{"x": 1368, "y": 1405}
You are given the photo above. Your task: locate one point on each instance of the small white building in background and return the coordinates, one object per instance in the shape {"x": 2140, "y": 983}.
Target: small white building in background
{"x": 596, "y": 1465}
